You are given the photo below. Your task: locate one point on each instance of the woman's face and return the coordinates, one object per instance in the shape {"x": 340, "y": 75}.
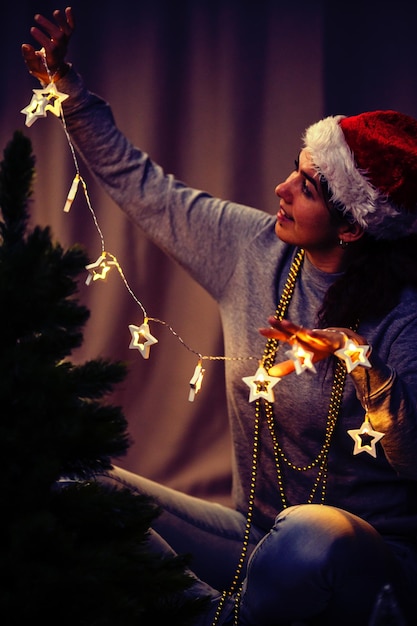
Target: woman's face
{"x": 303, "y": 218}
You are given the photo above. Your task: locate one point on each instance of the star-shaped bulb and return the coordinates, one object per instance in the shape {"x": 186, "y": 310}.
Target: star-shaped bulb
{"x": 43, "y": 100}
{"x": 34, "y": 110}
{"x": 365, "y": 438}
{"x": 52, "y": 97}
{"x": 99, "y": 269}
{"x": 261, "y": 385}
{"x": 302, "y": 358}
{"x": 353, "y": 355}
{"x": 142, "y": 339}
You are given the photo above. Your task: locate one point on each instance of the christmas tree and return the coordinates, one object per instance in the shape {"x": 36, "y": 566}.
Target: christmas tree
{"x": 74, "y": 551}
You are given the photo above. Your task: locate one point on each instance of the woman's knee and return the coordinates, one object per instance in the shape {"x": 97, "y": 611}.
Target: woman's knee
{"x": 304, "y": 538}
{"x": 311, "y": 557}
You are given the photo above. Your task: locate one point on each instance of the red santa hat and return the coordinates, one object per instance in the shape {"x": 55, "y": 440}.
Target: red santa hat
{"x": 370, "y": 164}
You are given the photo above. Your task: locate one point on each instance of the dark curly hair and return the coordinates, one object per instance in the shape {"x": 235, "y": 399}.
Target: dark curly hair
{"x": 373, "y": 282}
{"x": 374, "y": 279}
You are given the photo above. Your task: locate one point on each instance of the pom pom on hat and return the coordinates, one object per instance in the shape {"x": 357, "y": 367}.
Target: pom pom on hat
{"x": 370, "y": 164}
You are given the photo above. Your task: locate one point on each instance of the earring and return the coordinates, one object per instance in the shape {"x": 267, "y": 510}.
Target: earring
{"x": 343, "y": 244}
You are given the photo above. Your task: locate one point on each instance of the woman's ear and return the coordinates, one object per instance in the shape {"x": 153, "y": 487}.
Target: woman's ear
{"x": 348, "y": 233}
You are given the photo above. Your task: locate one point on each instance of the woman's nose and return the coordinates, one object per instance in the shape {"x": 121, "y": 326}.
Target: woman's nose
{"x": 277, "y": 189}
{"x": 282, "y": 190}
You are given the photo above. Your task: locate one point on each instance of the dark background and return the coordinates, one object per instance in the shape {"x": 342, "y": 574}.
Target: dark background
{"x": 219, "y": 92}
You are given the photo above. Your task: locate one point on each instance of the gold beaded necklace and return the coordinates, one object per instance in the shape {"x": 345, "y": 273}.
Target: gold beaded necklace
{"x": 265, "y": 408}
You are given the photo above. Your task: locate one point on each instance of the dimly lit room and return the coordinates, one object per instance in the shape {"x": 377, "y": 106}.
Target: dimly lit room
{"x": 226, "y": 97}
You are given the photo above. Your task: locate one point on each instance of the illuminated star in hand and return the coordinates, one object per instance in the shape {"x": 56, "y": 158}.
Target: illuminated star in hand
{"x": 302, "y": 358}
{"x": 34, "y": 110}
{"x": 43, "y": 100}
{"x": 99, "y": 269}
{"x": 195, "y": 382}
{"x": 365, "y": 438}
{"x": 261, "y": 385}
{"x": 142, "y": 339}
{"x": 353, "y": 355}
{"x": 52, "y": 98}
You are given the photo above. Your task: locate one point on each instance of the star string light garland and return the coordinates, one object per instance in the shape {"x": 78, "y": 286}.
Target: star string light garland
{"x": 49, "y": 99}
{"x": 260, "y": 384}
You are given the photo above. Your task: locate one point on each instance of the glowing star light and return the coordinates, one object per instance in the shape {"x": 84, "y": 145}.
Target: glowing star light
{"x": 43, "y": 100}
{"x": 353, "y": 355}
{"x": 142, "y": 339}
{"x": 196, "y": 381}
{"x": 302, "y": 358}
{"x": 261, "y": 385}
{"x": 34, "y": 110}
{"x": 99, "y": 269}
{"x": 365, "y": 438}
{"x": 52, "y": 98}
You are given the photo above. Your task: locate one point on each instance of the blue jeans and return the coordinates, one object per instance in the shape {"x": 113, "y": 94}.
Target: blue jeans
{"x": 317, "y": 564}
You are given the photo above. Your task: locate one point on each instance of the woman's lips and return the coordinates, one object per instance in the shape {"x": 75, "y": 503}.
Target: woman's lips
{"x": 282, "y": 216}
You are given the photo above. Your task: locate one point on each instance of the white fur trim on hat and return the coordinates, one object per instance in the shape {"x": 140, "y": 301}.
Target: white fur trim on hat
{"x": 349, "y": 186}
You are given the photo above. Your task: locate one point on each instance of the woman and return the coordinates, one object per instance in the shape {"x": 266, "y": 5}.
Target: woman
{"x": 325, "y": 430}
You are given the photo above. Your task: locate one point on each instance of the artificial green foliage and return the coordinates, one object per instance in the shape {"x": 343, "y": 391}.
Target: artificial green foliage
{"x": 74, "y": 550}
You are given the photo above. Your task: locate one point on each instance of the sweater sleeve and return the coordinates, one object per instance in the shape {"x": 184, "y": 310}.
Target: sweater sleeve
{"x": 203, "y": 234}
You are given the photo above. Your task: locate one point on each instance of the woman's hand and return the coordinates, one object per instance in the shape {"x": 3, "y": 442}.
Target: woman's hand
{"x": 322, "y": 343}
{"x": 49, "y": 62}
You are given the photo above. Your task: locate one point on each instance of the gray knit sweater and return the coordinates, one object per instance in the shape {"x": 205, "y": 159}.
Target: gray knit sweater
{"x": 233, "y": 252}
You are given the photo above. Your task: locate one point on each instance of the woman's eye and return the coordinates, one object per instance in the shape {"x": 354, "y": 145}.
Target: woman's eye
{"x": 296, "y": 164}
{"x": 305, "y": 189}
